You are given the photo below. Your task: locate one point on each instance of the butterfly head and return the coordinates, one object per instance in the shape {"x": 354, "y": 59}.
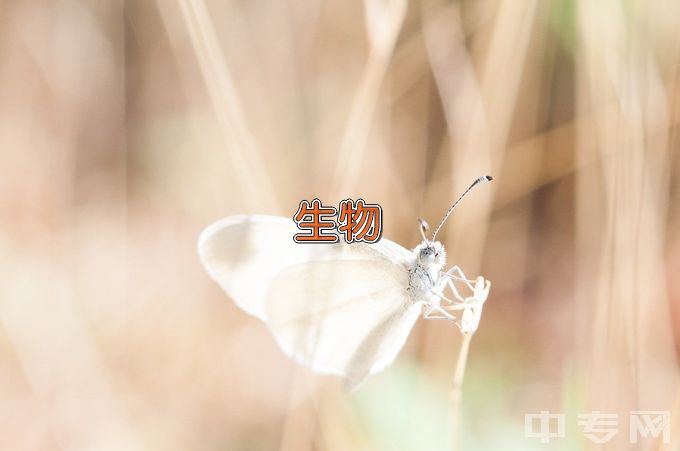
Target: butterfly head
{"x": 431, "y": 253}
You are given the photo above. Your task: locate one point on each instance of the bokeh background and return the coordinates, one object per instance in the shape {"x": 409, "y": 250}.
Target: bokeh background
{"x": 127, "y": 126}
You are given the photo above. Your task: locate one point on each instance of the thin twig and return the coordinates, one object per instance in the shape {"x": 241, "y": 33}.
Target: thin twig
{"x": 457, "y": 389}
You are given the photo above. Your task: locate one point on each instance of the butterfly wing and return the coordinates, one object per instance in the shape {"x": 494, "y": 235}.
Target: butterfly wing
{"x": 244, "y": 253}
{"x": 338, "y": 308}
{"x": 349, "y": 318}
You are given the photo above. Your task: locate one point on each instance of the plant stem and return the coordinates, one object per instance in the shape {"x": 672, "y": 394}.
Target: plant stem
{"x": 457, "y": 390}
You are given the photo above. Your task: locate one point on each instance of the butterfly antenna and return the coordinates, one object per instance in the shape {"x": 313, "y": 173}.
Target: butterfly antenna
{"x": 484, "y": 178}
{"x": 423, "y": 229}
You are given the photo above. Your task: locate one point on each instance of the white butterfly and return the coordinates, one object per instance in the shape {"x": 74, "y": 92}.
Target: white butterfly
{"x": 343, "y": 309}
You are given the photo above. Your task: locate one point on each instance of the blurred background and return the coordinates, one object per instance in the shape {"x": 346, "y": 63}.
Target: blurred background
{"x": 126, "y": 127}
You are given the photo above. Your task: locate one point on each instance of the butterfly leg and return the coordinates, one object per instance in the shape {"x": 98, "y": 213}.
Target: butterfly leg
{"x": 444, "y": 283}
{"x": 455, "y": 273}
{"x": 459, "y": 299}
{"x": 436, "y": 312}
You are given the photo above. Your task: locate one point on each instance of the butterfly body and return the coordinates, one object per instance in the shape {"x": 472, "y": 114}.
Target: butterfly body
{"x": 424, "y": 274}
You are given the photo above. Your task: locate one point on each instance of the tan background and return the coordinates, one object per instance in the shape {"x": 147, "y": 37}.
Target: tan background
{"x": 128, "y": 126}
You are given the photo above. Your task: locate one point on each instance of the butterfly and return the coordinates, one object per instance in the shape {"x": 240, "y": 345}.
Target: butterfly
{"x": 342, "y": 309}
